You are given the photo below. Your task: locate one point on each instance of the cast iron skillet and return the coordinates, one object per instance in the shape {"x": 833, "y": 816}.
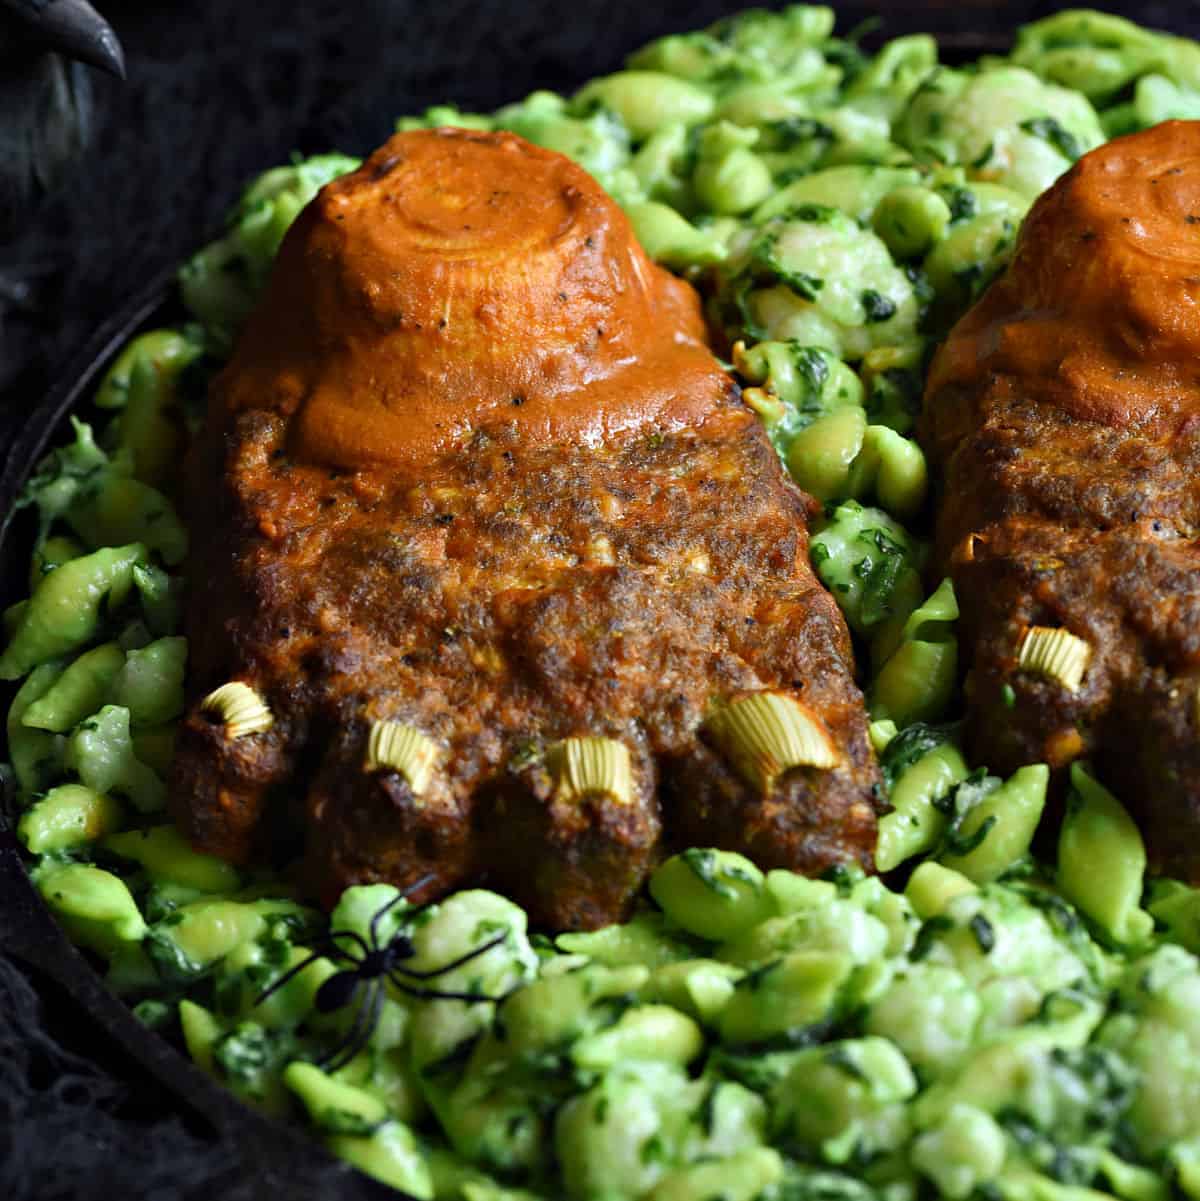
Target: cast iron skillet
{"x": 284, "y": 1160}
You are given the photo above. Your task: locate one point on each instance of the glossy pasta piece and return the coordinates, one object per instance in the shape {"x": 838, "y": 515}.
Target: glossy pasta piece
{"x": 123, "y": 510}
{"x": 100, "y": 751}
{"x": 163, "y": 853}
{"x": 79, "y": 691}
{"x": 714, "y": 894}
{"x": 69, "y": 815}
{"x": 150, "y": 682}
{"x": 95, "y": 906}
{"x": 647, "y": 100}
{"x": 52, "y": 553}
{"x": 799, "y": 990}
{"x": 654, "y": 1033}
{"x": 37, "y": 756}
{"x": 1001, "y": 826}
{"x": 1102, "y": 861}
{"x": 143, "y": 383}
{"x": 741, "y": 1177}
{"x": 917, "y": 679}
{"x": 64, "y": 612}
{"x": 1002, "y": 122}
{"x": 916, "y": 823}
{"x": 873, "y": 566}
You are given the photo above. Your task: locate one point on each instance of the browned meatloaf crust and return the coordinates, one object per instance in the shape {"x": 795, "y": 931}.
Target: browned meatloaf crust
{"x": 1064, "y": 413}
{"x": 510, "y": 593}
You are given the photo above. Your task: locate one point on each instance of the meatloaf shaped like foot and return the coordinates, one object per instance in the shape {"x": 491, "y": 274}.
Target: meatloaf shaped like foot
{"x": 515, "y": 578}
{"x": 1064, "y": 412}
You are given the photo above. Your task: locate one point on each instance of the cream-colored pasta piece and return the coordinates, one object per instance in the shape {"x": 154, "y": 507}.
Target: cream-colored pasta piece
{"x": 766, "y": 734}
{"x": 1055, "y": 653}
{"x": 240, "y": 707}
{"x": 396, "y": 746}
{"x": 598, "y": 767}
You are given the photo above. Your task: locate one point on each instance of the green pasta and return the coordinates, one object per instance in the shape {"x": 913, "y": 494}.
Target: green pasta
{"x": 855, "y": 190}
{"x": 36, "y": 755}
{"x": 67, "y": 816}
{"x": 645, "y": 101}
{"x": 79, "y": 691}
{"x": 847, "y": 1094}
{"x": 100, "y": 751}
{"x": 64, "y": 612}
{"x": 740, "y": 1177}
{"x": 96, "y": 907}
{"x": 871, "y": 565}
{"x": 911, "y": 219}
{"x": 672, "y": 239}
{"x": 165, "y": 855}
{"x": 729, "y": 177}
{"x": 821, "y": 457}
{"x": 917, "y": 821}
{"x": 52, "y": 553}
{"x": 916, "y": 680}
{"x": 1102, "y": 861}
{"x": 150, "y": 682}
{"x": 646, "y": 1033}
{"x": 996, "y": 832}
{"x": 892, "y": 468}
{"x": 714, "y": 894}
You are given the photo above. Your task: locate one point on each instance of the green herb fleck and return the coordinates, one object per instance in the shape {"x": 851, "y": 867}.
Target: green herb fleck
{"x": 984, "y": 933}
{"x": 1049, "y": 130}
{"x": 877, "y": 307}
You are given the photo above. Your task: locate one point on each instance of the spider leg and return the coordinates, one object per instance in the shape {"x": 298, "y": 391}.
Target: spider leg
{"x": 323, "y": 948}
{"x": 380, "y": 914}
{"x": 400, "y": 896}
{"x": 333, "y": 1059}
{"x": 354, "y": 935}
{"x": 366, "y": 1019}
{"x": 292, "y": 972}
{"x": 437, "y": 994}
{"x": 419, "y": 884}
{"x": 449, "y": 967}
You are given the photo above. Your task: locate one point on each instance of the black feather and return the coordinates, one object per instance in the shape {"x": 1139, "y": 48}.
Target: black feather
{"x": 46, "y": 97}
{"x": 45, "y": 124}
{"x": 72, "y": 28}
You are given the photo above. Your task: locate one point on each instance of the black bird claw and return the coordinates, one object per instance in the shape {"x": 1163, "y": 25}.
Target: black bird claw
{"x": 73, "y": 28}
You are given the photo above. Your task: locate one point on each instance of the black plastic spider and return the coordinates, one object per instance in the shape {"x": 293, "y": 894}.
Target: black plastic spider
{"x": 367, "y": 973}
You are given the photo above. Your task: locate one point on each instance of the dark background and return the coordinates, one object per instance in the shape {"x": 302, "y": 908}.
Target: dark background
{"x": 216, "y": 92}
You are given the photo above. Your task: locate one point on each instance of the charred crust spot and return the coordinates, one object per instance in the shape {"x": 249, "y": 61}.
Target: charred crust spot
{"x": 386, "y": 165}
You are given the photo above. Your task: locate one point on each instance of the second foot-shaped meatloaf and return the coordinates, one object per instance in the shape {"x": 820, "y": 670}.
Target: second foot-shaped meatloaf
{"x": 1064, "y": 411}
{"x": 496, "y": 579}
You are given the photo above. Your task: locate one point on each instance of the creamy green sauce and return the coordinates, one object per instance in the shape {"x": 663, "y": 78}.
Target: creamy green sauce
{"x": 986, "y": 1023}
